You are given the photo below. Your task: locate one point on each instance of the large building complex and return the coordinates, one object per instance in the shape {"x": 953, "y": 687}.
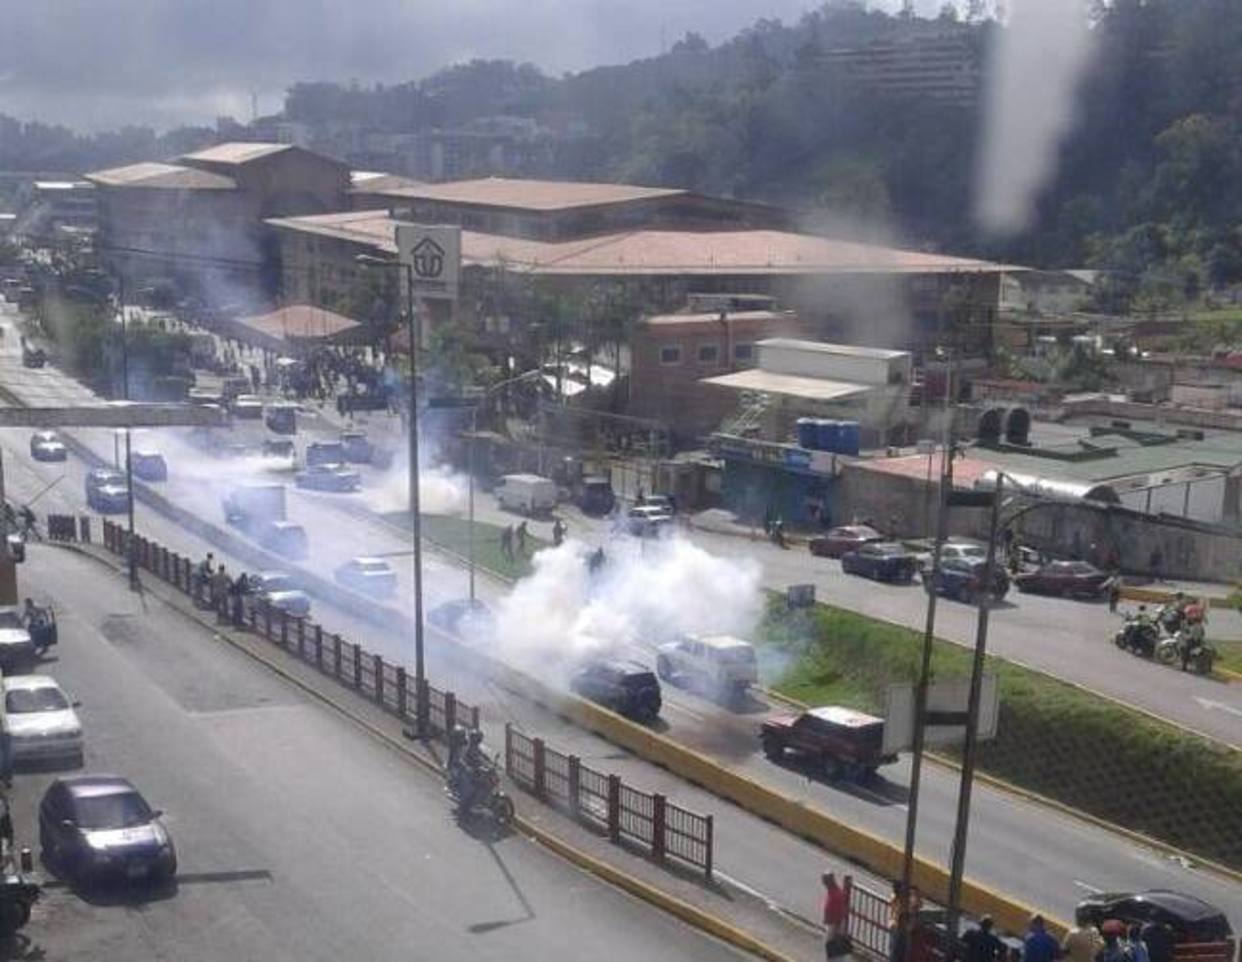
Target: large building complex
{"x": 945, "y": 67}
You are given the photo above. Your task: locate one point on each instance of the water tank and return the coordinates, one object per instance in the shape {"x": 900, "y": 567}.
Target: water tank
{"x": 829, "y": 435}
{"x": 1018, "y": 427}
{"x": 808, "y": 433}
{"x": 849, "y": 437}
{"x": 990, "y": 425}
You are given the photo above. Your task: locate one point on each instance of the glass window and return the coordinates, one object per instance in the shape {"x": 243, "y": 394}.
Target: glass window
{"x": 670, "y": 354}
{"x": 709, "y": 353}
{"x": 743, "y": 352}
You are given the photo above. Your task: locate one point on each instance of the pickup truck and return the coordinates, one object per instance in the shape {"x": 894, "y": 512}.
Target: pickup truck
{"x": 842, "y": 742}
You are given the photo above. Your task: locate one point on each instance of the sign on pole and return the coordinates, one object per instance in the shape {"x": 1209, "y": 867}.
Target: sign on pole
{"x": 434, "y": 255}
{"x": 946, "y": 712}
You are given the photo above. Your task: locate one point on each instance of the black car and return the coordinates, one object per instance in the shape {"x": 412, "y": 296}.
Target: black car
{"x": 964, "y": 579}
{"x": 881, "y": 560}
{"x": 625, "y": 687}
{"x": 1191, "y": 919}
{"x": 94, "y": 827}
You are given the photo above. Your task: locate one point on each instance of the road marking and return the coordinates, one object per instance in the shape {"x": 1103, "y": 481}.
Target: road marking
{"x": 1211, "y": 705}
{"x": 1094, "y": 889}
{"x": 771, "y": 903}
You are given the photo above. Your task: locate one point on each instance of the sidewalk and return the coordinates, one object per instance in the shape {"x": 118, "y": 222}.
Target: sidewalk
{"x": 732, "y": 907}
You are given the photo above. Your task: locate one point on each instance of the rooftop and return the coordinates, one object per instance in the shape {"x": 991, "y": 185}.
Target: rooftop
{"x": 839, "y": 350}
{"x": 790, "y": 385}
{"x": 656, "y": 252}
{"x": 371, "y": 181}
{"x": 300, "y": 321}
{"x": 159, "y": 175}
{"x": 236, "y": 153}
{"x": 62, "y": 185}
{"x": 531, "y": 195}
{"x": 713, "y": 318}
{"x": 966, "y": 471}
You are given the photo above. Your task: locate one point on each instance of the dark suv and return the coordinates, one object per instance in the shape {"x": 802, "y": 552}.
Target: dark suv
{"x": 1191, "y": 919}
{"x": 625, "y": 687}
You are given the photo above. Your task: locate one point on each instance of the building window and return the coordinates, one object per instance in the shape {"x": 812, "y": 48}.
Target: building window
{"x": 743, "y": 352}
{"x": 670, "y": 354}
{"x": 709, "y": 353}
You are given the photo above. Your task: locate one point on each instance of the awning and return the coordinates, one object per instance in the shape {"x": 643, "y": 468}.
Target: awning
{"x": 790, "y": 385}
{"x": 281, "y": 329}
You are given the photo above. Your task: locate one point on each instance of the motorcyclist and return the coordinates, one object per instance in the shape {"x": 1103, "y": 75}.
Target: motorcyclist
{"x": 473, "y": 767}
{"x": 1141, "y": 630}
{"x": 1189, "y": 641}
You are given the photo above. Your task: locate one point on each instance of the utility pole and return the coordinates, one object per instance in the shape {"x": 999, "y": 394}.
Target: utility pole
{"x": 131, "y": 552}
{"x": 970, "y": 751}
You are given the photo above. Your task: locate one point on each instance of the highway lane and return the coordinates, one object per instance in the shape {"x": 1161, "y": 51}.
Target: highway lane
{"x": 299, "y": 837}
{"x": 1006, "y": 832}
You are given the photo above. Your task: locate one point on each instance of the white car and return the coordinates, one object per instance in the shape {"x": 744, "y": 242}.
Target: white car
{"x": 47, "y": 446}
{"x": 647, "y": 521}
{"x": 370, "y": 576}
{"x": 40, "y": 719}
{"x": 721, "y": 665}
{"x": 16, "y": 648}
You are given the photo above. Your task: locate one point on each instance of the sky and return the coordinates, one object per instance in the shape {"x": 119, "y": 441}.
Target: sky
{"x": 101, "y": 64}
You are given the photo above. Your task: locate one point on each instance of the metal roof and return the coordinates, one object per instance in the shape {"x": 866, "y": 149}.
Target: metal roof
{"x": 236, "y": 152}
{"x": 530, "y": 195}
{"x": 713, "y": 318}
{"x": 159, "y": 175}
{"x": 807, "y": 388}
{"x": 839, "y": 350}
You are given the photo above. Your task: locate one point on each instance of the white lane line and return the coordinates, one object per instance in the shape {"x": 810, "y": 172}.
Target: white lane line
{"x": 771, "y": 903}
{"x": 1094, "y": 889}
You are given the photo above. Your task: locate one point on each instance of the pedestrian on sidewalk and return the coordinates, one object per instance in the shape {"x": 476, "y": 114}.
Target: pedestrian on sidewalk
{"x": 981, "y": 944}
{"x": 1039, "y": 946}
{"x": 1114, "y": 592}
{"x": 1081, "y": 943}
{"x": 836, "y": 917}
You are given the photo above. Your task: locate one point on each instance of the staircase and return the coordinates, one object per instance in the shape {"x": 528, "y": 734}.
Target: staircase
{"x": 748, "y": 419}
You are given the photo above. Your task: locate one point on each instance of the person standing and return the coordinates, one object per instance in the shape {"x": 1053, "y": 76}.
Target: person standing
{"x": 1135, "y": 947}
{"x": 521, "y": 538}
{"x": 836, "y": 910}
{"x": 1039, "y": 946}
{"x": 1081, "y": 943}
{"x": 1114, "y": 592}
{"x": 1158, "y": 941}
{"x": 981, "y": 944}
{"x": 558, "y": 532}
{"x": 506, "y": 542}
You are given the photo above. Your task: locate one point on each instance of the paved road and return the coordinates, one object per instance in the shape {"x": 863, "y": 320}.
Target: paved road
{"x": 1073, "y": 857}
{"x": 299, "y": 837}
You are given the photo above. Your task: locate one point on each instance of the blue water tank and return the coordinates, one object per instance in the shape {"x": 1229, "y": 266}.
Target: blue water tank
{"x": 829, "y": 434}
{"x": 808, "y": 433}
{"x": 850, "y": 438}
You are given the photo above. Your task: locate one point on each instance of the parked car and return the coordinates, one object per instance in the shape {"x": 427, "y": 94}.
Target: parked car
{"x": 107, "y": 491}
{"x": 235, "y": 387}
{"x": 149, "y": 465}
{"x": 370, "y": 576}
{"x": 963, "y": 578}
{"x": 841, "y": 741}
{"x": 881, "y": 560}
{"x": 837, "y": 541}
{"x": 41, "y": 720}
{"x": 279, "y": 590}
{"x": 1191, "y": 919}
{"x": 1069, "y": 579}
{"x": 924, "y": 551}
{"x": 325, "y": 452}
{"x": 647, "y": 522}
{"x": 97, "y": 827}
{"x": 466, "y": 618}
{"x": 328, "y": 477}
{"x": 625, "y": 687}
{"x": 47, "y": 446}
{"x": 357, "y": 447}
{"x": 664, "y": 502}
{"x": 722, "y": 665}
{"x": 17, "y": 650}
{"x": 247, "y": 407}
{"x": 279, "y": 450}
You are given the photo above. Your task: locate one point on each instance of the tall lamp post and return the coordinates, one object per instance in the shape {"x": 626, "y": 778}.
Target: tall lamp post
{"x": 420, "y": 675}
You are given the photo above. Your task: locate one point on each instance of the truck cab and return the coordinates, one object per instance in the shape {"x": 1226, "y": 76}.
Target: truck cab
{"x": 841, "y": 742}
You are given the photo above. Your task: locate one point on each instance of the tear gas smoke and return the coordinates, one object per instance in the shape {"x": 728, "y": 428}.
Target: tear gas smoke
{"x": 646, "y": 594}
{"x": 1036, "y": 64}
{"x": 440, "y": 491}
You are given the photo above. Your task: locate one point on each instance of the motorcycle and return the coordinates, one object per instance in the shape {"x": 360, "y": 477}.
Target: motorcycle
{"x": 18, "y": 894}
{"x": 1137, "y": 636}
{"x": 1202, "y": 655}
{"x": 484, "y": 797}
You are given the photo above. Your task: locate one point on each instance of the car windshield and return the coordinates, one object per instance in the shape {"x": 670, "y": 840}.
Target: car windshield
{"x": 118, "y": 810}
{"x": 22, "y": 701}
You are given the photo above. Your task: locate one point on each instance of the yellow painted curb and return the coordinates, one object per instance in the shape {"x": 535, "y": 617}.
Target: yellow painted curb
{"x": 1228, "y": 675}
{"x": 1162, "y": 596}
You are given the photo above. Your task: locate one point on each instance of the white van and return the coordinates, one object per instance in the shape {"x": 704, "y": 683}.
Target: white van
{"x": 527, "y": 493}
{"x": 721, "y": 665}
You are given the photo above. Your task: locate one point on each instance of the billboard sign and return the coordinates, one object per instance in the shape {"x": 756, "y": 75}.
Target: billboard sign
{"x": 434, "y": 256}
{"x": 946, "y": 713}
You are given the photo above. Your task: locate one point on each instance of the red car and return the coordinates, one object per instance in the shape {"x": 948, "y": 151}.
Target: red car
{"x": 1069, "y": 579}
{"x": 838, "y": 541}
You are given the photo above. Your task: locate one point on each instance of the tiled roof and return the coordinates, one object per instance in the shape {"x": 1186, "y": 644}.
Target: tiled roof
{"x": 158, "y": 175}
{"x": 236, "y": 152}
{"x": 300, "y": 321}
{"x": 966, "y": 471}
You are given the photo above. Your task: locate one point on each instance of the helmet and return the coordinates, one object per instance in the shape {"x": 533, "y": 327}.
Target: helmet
{"x": 1142, "y": 607}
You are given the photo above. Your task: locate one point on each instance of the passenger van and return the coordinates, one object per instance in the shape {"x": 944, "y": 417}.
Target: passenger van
{"x": 526, "y": 493}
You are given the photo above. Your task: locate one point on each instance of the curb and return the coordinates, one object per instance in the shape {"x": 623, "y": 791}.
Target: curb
{"x": 1018, "y": 791}
{"x": 1228, "y": 675}
{"x": 1163, "y": 596}
{"x": 692, "y": 915}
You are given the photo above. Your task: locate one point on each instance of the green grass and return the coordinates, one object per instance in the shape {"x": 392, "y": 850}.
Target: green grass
{"x": 1053, "y": 738}
{"x": 453, "y": 534}
{"x": 1230, "y": 654}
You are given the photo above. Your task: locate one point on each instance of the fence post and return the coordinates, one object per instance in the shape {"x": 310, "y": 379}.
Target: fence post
{"x": 319, "y": 647}
{"x": 450, "y": 711}
{"x": 301, "y": 639}
{"x": 541, "y": 769}
{"x": 575, "y": 786}
{"x": 614, "y": 807}
{"x": 358, "y": 667}
{"x": 508, "y": 749}
{"x": 267, "y": 621}
{"x": 402, "y": 693}
{"x": 378, "y": 665}
{"x": 174, "y": 560}
{"x": 336, "y": 656}
{"x": 422, "y": 705}
{"x": 284, "y": 628}
{"x": 254, "y": 618}
{"x": 659, "y": 825}
{"x": 84, "y": 529}
{"x": 709, "y": 834}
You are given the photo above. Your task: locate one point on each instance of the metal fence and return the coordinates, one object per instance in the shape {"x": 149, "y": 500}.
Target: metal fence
{"x": 388, "y": 685}
{"x": 868, "y": 923}
{"x": 603, "y": 801}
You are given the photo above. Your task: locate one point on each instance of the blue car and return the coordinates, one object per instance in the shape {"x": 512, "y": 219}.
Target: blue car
{"x": 963, "y": 579}
{"x": 98, "y": 827}
{"x": 881, "y": 561}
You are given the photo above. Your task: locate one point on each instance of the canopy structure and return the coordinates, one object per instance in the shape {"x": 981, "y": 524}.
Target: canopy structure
{"x": 296, "y": 328}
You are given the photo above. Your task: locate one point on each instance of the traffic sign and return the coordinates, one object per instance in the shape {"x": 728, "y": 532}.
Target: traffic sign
{"x": 434, "y": 257}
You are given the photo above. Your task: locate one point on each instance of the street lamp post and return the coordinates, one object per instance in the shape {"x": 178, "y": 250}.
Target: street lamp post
{"x": 420, "y": 675}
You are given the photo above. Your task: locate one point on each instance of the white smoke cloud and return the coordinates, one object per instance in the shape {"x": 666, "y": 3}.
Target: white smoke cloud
{"x": 440, "y": 490}
{"x": 1036, "y": 64}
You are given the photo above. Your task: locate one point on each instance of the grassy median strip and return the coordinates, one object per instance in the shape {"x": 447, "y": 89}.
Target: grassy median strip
{"x": 453, "y": 534}
{"x": 1054, "y": 739}
{"x": 1230, "y": 654}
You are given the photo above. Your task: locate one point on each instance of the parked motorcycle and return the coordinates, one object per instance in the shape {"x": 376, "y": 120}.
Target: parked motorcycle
{"x": 482, "y": 787}
{"x": 1202, "y": 655}
{"x": 18, "y": 894}
{"x": 1139, "y": 636}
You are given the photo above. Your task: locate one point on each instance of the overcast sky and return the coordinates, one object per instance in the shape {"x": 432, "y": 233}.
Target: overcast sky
{"x": 97, "y": 64}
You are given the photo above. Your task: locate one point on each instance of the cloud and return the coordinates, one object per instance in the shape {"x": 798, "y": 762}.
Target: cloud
{"x": 102, "y": 63}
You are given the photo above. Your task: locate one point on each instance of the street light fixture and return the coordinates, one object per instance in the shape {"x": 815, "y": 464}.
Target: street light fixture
{"x": 420, "y": 675}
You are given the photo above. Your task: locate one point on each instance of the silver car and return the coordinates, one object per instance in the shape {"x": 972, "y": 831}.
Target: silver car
{"x": 16, "y": 648}
{"x": 279, "y": 591}
{"x": 41, "y": 722}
